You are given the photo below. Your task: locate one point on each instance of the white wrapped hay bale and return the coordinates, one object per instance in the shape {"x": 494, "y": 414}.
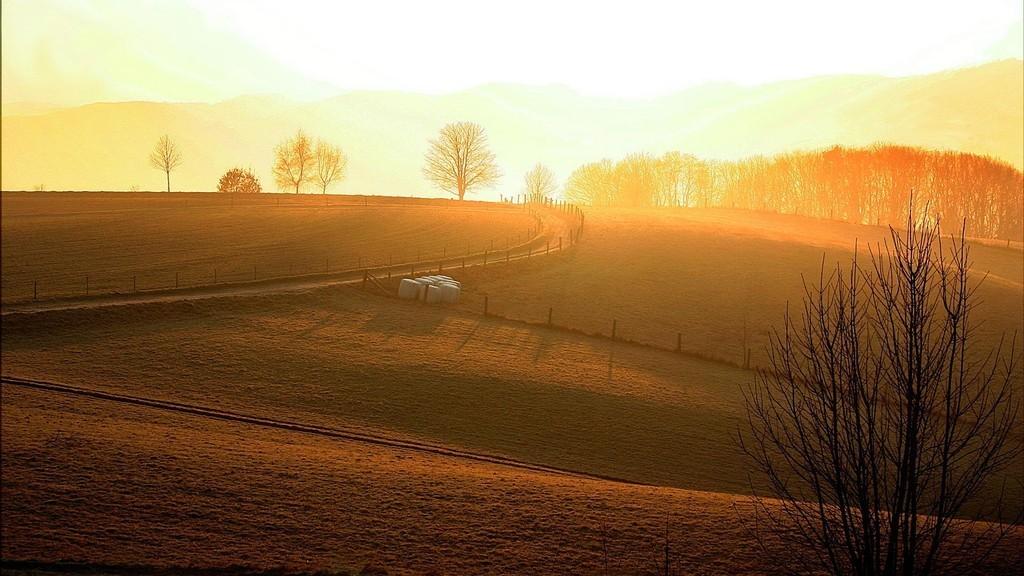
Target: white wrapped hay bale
{"x": 449, "y": 292}
{"x": 433, "y": 294}
{"x": 408, "y": 289}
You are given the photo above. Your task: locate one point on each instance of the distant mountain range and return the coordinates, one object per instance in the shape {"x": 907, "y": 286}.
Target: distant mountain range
{"x": 105, "y": 146}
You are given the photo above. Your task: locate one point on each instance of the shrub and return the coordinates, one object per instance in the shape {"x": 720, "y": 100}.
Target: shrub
{"x": 238, "y": 181}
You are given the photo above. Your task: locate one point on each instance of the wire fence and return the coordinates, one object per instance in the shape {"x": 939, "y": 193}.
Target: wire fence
{"x": 615, "y": 331}
{"x": 536, "y": 239}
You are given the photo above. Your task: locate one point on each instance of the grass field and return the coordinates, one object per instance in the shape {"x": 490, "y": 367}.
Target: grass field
{"x": 146, "y": 241}
{"x": 338, "y": 357}
{"x": 720, "y": 279}
{"x": 136, "y": 486}
{"x": 178, "y": 490}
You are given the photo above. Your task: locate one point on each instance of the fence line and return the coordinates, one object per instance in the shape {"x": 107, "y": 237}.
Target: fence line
{"x": 614, "y": 335}
{"x": 93, "y": 285}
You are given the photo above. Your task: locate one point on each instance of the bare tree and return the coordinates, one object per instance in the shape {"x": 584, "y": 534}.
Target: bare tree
{"x": 331, "y": 163}
{"x": 294, "y": 162}
{"x": 594, "y": 184}
{"x": 459, "y": 160}
{"x": 877, "y": 429}
{"x": 540, "y": 183}
{"x": 165, "y": 157}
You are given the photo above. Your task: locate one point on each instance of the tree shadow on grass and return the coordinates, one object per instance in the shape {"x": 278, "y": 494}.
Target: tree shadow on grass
{"x": 404, "y": 321}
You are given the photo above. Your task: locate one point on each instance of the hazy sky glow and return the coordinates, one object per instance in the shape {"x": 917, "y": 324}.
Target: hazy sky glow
{"x": 79, "y": 51}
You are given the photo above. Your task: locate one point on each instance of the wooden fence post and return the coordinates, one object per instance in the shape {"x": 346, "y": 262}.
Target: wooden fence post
{"x": 550, "y": 312}
{"x": 614, "y": 326}
{"x": 86, "y": 284}
{"x": 133, "y": 284}
{"x": 507, "y": 252}
{"x": 35, "y": 289}
{"x": 485, "y": 305}
{"x": 548, "y": 249}
{"x": 366, "y": 274}
{"x": 463, "y": 262}
{"x": 254, "y": 272}
{"x": 485, "y": 258}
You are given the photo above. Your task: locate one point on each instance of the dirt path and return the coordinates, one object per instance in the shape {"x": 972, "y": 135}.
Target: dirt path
{"x": 338, "y": 433}
{"x": 553, "y": 236}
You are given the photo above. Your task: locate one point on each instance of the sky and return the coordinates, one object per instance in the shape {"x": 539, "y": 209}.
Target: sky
{"x": 79, "y": 51}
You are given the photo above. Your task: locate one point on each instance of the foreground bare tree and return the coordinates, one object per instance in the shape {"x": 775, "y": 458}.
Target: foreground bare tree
{"x": 459, "y": 160}
{"x": 165, "y": 157}
{"x": 876, "y": 426}
{"x": 331, "y": 163}
{"x": 294, "y": 162}
{"x": 540, "y": 183}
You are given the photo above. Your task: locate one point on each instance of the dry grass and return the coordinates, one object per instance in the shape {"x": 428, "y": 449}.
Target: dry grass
{"x": 710, "y": 275}
{"x": 88, "y": 481}
{"x": 81, "y": 479}
{"x": 57, "y": 239}
{"x": 132, "y": 485}
{"x": 337, "y": 356}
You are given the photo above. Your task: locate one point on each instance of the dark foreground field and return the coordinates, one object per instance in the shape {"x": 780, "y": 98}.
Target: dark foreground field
{"x": 115, "y": 485}
{"x": 111, "y": 484}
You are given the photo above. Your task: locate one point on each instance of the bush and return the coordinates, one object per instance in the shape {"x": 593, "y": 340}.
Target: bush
{"x": 238, "y": 181}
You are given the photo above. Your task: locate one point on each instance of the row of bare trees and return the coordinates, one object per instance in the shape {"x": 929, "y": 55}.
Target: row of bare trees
{"x": 298, "y": 161}
{"x": 876, "y": 185}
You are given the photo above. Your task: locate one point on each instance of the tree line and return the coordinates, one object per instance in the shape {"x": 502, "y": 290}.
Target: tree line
{"x": 298, "y": 162}
{"x": 876, "y": 185}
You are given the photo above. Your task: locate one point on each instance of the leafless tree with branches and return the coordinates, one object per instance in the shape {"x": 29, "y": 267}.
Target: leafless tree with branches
{"x": 294, "y": 162}
{"x": 459, "y": 160}
{"x": 877, "y": 429}
{"x": 331, "y": 164}
{"x": 540, "y": 183}
{"x": 165, "y": 157}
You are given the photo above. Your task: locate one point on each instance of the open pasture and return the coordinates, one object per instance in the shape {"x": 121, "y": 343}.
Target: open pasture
{"x": 138, "y": 486}
{"x": 71, "y": 243}
{"x": 713, "y": 281}
{"x": 336, "y": 356}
